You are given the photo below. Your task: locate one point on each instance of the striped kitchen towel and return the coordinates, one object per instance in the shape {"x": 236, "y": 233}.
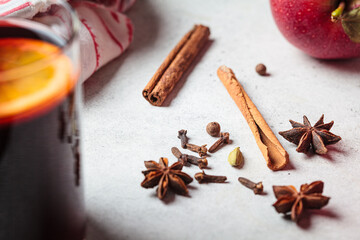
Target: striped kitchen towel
{"x": 105, "y": 31}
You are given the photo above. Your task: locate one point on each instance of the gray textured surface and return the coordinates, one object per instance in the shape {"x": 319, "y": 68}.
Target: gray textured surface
{"x": 122, "y": 129}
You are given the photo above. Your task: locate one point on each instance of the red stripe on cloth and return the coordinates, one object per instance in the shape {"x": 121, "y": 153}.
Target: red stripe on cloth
{"x": 110, "y": 33}
{"x": 18, "y": 8}
{"x": 121, "y": 5}
{"x": 3, "y": 1}
{"x": 130, "y": 29}
{"x": 95, "y": 43}
{"x": 115, "y": 16}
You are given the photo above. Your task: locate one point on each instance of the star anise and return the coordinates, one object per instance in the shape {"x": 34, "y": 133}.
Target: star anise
{"x": 304, "y": 135}
{"x": 309, "y": 197}
{"x": 166, "y": 177}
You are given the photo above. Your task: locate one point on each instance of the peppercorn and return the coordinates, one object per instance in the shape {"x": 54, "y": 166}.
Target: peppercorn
{"x": 261, "y": 69}
{"x": 213, "y": 129}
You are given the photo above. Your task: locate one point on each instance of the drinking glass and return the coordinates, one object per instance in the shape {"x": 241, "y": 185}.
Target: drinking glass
{"x": 41, "y": 190}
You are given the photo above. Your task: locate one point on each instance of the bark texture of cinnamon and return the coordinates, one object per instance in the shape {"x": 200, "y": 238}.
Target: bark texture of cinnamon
{"x": 270, "y": 147}
{"x": 175, "y": 65}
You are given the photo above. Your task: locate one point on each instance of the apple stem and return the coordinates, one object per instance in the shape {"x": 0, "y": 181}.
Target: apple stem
{"x": 336, "y": 14}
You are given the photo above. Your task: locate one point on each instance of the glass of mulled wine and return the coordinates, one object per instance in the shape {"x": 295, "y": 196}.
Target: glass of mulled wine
{"x": 41, "y": 190}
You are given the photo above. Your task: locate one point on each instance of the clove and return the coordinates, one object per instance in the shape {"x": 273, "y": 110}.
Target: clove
{"x": 202, "y": 177}
{"x": 256, "y": 187}
{"x": 184, "y": 158}
{"x": 182, "y": 136}
{"x": 201, "y": 150}
{"x": 224, "y": 139}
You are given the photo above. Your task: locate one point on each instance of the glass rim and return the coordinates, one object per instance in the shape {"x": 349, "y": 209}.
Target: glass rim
{"x": 8, "y": 75}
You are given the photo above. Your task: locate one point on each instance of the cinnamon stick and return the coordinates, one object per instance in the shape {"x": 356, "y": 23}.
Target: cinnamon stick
{"x": 275, "y": 155}
{"x": 175, "y": 65}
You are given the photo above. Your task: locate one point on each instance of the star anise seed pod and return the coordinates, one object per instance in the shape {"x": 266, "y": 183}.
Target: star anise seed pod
{"x": 309, "y": 197}
{"x": 166, "y": 177}
{"x": 304, "y": 135}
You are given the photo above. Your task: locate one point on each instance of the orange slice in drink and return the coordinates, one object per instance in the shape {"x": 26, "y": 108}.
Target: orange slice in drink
{"x": 34, "y": 76}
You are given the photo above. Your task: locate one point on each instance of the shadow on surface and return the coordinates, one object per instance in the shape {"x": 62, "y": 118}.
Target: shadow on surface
{"x": 98, "y": 81}
{"x": 305, "y": 221}
{"x": 171, "y": 196}
{"x": 328, "y": 156}
{"x": 146, "y": 26}
{"x": 96, "y": 230}
{"x": 333, "y": 149}
{"x": 345, "y": 65}
{"x": 289, "y": 166}
{"x": 263, "y": 193}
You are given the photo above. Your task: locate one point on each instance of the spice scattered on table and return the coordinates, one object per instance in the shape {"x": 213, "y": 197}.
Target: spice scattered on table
{"x": 183, "y": 138}
{"x": 261, "y": 69}
{"x": 166, "y": 177}
{"x": 201, "y": 150}
{"x": 236, "y": 158}
{"x": 184, "y": 158}
{"x": 224, "y": 139}
{"x": 275, "y": 155}
{"x": 306, "y": 136}
{"x": 256, "y": 187}
{"x": 202, "y": 177}
{"x": 309, "y": 197}
{"x": 175, "y": 65}
{"x": 213, "y": 129}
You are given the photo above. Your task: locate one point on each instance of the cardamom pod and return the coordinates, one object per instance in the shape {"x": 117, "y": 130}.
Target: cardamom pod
{"x": 236, "y": 158}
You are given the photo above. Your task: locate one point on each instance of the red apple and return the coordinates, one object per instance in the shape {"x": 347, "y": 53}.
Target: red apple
{"x": 307, "y": 25}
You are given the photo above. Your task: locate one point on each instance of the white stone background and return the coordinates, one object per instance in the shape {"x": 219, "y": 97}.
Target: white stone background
{"x": 121, "y": 130}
